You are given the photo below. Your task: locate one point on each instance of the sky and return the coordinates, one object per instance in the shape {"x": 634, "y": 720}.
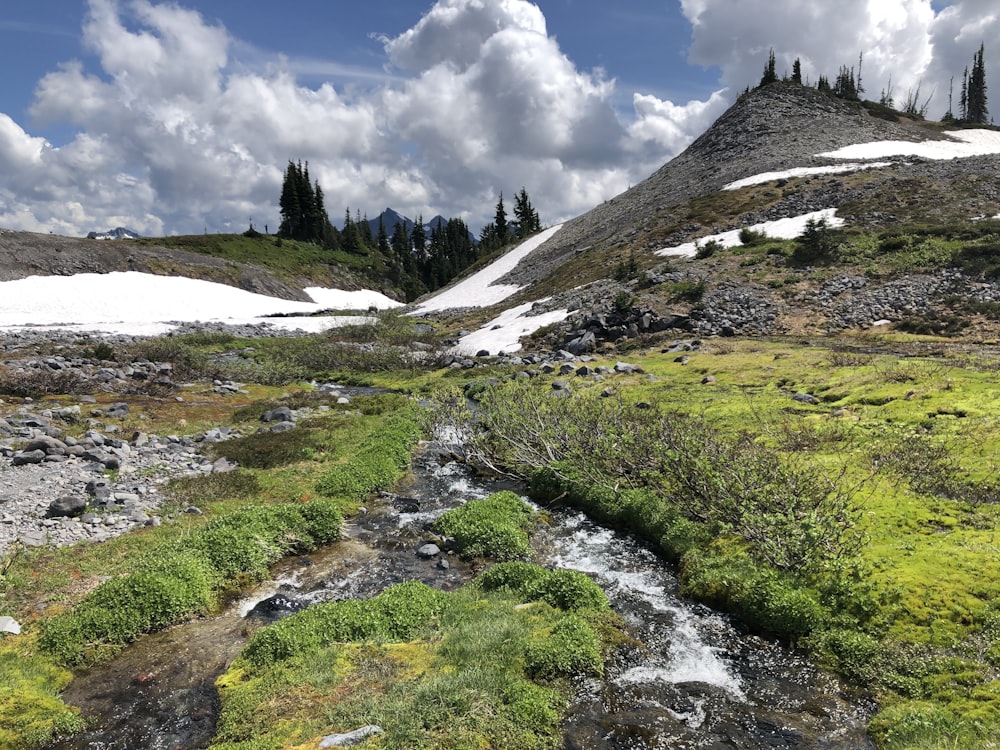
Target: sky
{"x": 180, "y": 117}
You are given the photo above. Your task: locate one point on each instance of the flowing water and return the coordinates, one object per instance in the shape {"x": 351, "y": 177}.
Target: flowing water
{"x": 690, "y": 680}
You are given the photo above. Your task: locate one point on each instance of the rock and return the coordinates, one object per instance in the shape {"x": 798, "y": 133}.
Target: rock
{"x": 51, "y": 445}
{"x": 560, "y": 385}
{"x": 280, "y": 414}
{"x": 708, "y": 380}
{"x": 282, "y": 426}
{"x": 28, "y": 457}
{"x": 10, "y": 625}
{"x": 350, "y": 738}
{"x": 117, "y": 411}
{"x": 805, "y": 398}
{"x": 67, "y": 505}
{"x": 428, "y": 550}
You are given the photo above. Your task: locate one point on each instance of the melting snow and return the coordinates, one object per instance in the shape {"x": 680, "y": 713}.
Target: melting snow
{"x": 763, "y": 177}
{"x": 785, "y": 229}
{"x": 968, "y": 143}
{"x": 503, "y": 333}
{"x": 479, "y": 290}
{"x": 145, "y": 304}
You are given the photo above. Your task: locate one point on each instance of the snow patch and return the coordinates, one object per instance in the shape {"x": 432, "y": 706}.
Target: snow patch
{"x": 129, "y": 302}
{"x": 784, "y": 229}
{"x": 503, "y": 333}
{"x": 479, "y": 290}
{"x": 763, "y": 177}
{"x": 967, "y": 143}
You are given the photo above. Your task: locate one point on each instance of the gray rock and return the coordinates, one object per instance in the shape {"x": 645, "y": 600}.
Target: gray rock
{"x": 428, "y": 550}
{"x": 350, "y": 738}
{"x": 282, "y": 426}
{"x": 805, "y": 398}
{"x": 28, "y": 457}
{"x": 280, "y": 414}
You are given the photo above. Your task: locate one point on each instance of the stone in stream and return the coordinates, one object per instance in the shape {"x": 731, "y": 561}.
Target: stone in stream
{"x": 428, "y": 550}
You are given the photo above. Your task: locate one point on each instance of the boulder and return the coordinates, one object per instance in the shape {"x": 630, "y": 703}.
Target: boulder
{"x": 66, "y": 506}
{"x": 28, "y": 457}
{"x": 280, "y": 414}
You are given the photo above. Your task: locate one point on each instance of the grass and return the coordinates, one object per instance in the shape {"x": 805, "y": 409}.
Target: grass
{"x": 433, "y": 669}
{"x": 912, "y": 418}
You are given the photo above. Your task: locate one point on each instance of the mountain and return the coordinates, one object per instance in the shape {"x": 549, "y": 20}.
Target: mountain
{"x": 916, "y": 250}
{"x": 118, "y": 233}
{"x": 778, "y": 127}
{"x": 391, "y": 217}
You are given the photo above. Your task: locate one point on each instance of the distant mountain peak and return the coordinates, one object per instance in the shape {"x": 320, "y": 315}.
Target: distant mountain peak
{"x": 118, "y": 233}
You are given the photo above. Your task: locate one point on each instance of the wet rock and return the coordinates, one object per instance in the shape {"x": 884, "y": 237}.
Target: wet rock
{"x": 275, "y": 607}
{"x": 428, "y": 550}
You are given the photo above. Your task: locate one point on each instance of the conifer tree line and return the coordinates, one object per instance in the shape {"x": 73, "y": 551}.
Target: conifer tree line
{"x": 415, "y": 261}
{"x": 847, "y": 85}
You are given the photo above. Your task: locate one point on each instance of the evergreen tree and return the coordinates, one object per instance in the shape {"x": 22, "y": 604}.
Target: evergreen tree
{"x": 845, "y": 86}
{"x": 500, "y": 223}
{"x": 383, "y": 237}
{"x": 525, "y": 215}
{"x": 797, "y": 71}
{"x": 976, "y": 110}
{"x": 303, "y": 209}
{"x": 823, "y": 84}
{"x": 770, "y": 75}
{"x": 418, "y": 237}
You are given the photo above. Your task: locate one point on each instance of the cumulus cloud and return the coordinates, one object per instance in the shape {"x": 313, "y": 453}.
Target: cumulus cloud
{"x": 906, "y": 42}
{"x": 176, "y": 135}
{"x": 178, "y": 131}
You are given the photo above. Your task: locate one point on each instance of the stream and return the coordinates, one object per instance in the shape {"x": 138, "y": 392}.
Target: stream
{"x": 693, "y": 679}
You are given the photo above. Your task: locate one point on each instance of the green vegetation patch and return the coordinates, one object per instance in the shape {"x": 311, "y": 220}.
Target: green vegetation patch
{"x": 176, "y": 581}
{"x": 380, "y": 459}
{"x": 494, "y": 527}
{"x": 464, "y": 669}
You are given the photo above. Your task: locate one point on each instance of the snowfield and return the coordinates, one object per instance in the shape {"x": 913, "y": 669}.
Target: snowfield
{"x": 479, "y": 289}
{"x": 143, "y": 304}
{"x": 784, "y": 229}
{"x": 759, "y": 179}
{"x": 503, "y": 333}
{"x": 967, "y": 143}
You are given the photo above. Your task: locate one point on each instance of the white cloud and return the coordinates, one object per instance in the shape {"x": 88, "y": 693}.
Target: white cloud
{"x": 176, "y": 134}
{"x": 181, "y": 127}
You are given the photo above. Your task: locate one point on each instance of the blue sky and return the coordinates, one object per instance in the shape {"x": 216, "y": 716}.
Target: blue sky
{"x": 176, "y": 117}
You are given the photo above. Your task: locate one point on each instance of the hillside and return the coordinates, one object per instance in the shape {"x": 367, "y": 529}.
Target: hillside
{"x": 259, "y": 265}
{"x": 914, "y": 248}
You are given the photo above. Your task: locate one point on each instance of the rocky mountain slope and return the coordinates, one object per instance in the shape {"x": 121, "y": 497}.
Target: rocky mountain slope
{"x": 775, "y": 128}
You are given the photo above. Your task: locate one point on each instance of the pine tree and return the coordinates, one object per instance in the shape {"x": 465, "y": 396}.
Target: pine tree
{"x": 797, "y": 71}
{"x": 823, "y": 84}
{"x": 500, "y": 223}
{"x": 525, "y": 215}
{"x": 418, "y": 237}
{"x": 770, "y": 75}
{"x": 977, "y": 111}
{"x": 963, "y": 101}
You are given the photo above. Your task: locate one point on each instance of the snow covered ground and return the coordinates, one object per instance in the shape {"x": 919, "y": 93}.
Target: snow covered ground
{"x": 786, "y": 174}
{"x": 145, "y": 304}
{"x": 968, "y": 143}
{"x": 479, "y": 290}
{"x": 785, "y": 229}
{"x": 503, "y": 333}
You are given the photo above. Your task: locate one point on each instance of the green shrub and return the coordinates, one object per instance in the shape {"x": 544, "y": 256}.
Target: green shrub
{"x": 394, "y": 615}
{"x": 169, "y": 584}
{"x": 571, "y": 648}
{"x": 769, "y": 601}
{"x": 493, "y": 527}
{"x": 568, "y": 590}
{"x": 380, "y": 459}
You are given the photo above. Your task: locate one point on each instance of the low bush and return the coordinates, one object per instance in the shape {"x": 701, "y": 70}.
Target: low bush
{"x": 170, "y": 583}
{"x": 38, "y": 382}
{"x": 570, "y": 648}
{"x": 769, "y": 601}
{"x": 394, "y": 615}
{"x": 494, "y": 527}
{"x": 568, "y": 590}
{"x": 380, "y": 459}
